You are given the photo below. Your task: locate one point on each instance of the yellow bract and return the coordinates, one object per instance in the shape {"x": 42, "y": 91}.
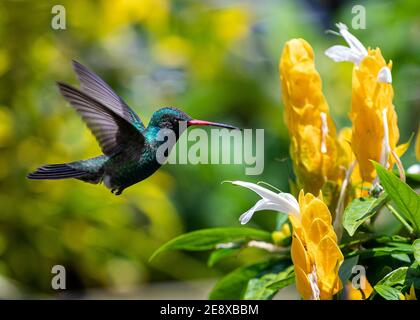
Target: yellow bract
{"x": 312, "y": 131}
{"x": 409, "y": 296}
{"x": 361, "y": 293}
{"x": 346, "y": 157}
{"x": 315, "y": 253}
{"x": 370, "y": 99}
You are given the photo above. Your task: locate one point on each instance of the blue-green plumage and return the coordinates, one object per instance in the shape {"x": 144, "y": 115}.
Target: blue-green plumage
{"x": 129, "y": 147}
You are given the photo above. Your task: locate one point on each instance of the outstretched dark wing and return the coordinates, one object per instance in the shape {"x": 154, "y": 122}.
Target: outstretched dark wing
{"x": 113, "y": 131}
{"x": 95, "y": 87}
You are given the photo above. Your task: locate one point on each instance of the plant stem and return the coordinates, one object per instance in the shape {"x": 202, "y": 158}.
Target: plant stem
{"x": 356, "y": 242}
{"x": 400, "y": 219}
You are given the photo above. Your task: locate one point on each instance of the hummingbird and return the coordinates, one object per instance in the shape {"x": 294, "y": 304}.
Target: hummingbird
{"x": 129, "y": 148}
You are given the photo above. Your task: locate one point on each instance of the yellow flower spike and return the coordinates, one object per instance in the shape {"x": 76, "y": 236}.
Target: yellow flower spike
{"x": 314, "y": 234}
{"x": 312, "y": 131}
{"x": 315, "y": 254}
{"x": 375, "y": 132}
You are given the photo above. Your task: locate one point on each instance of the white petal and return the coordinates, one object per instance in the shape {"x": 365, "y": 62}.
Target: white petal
{"x": 384, "y": 75}
{"x": 280, "y": 207}
{"x": 244, "y": 218}
{"x": 324, "y": 132}
{"x": 340, "y": 53}
{"x": 353, "y": 42}
{"x": 386, "y": 148}
{"x": 283, "y": 202}
{"x": 414, "y": 169}
{"x": 314, "y": 285}
{"x": 261, "y": 191}
{"x": 264, "y": 204}
{"x": 293, "y": 205}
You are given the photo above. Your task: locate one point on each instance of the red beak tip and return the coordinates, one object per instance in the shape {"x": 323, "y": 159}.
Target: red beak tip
{"x": 208, "y": 123}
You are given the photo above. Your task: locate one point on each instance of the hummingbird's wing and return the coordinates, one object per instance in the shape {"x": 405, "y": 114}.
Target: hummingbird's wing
{"x": 98, "y": 89}
{"x": 112, "y": 130}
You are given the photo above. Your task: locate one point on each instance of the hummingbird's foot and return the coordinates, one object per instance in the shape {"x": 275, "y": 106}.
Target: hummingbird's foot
{"x": 117, "y": 191}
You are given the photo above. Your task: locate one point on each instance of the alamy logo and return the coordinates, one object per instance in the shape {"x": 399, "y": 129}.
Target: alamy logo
{"x": 359, "y": 279}
{"x": 58, "y": 21}
{"x": 359, "y": 19}
{"x": 58, "y": 282}
{"x": 221, "y": 146}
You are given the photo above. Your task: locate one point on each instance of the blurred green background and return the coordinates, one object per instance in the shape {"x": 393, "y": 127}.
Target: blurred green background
{"x": 216, "y": 60}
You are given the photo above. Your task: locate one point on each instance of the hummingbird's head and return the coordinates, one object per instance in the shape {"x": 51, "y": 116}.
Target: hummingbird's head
{"x": 177, "y": 120}
{"x": 169, "y": 118}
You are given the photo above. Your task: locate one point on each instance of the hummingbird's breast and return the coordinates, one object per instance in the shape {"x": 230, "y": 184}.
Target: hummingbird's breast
{"x": 128, "y": 168}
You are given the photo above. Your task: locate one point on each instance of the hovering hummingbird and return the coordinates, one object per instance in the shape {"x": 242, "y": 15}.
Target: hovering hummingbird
{"x": 129, "y": 147}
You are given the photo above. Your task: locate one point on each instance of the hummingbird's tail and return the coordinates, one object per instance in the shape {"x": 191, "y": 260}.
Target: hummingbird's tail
{"x": 55, "y": 171}
{"x": 87, "y": 170}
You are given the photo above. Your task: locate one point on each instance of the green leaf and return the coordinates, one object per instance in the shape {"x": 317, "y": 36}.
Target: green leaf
{"x": 258, "y": 289}
{"x": 399, "y": 248}
{"x": 234, "y": 284}
{"x": 403, "y": 278}
{"x": 402, "y": 257}
{"x": 361, "y": 209}
{"x": 416, "y": 250}
{"x": 280, "y": 284}
{"x": 406, "y": 199}
{"x": 207, "y": 239}
{"x": 220, "y": 254}
{"x": 284, "y": 279}
{"x": 267, "y": 286}
{"x": 395, "y": 277}
{"x": 388, "y": 293}
{"x": 413, "y": 276}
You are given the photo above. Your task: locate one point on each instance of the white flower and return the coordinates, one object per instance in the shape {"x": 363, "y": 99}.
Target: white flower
{"x": 414, "y": 169}
{"x": 281, "y": 202}
{"x": 384, "y": 75}
{"x": 354, "y": 53}
{"x": 386, "y": 148}
{"x": 314, "y": 284}
{"x": 324, "y": 132}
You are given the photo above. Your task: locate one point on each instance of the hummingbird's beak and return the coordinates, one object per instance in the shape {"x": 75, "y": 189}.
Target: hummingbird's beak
{"x": 209, "y": 123}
